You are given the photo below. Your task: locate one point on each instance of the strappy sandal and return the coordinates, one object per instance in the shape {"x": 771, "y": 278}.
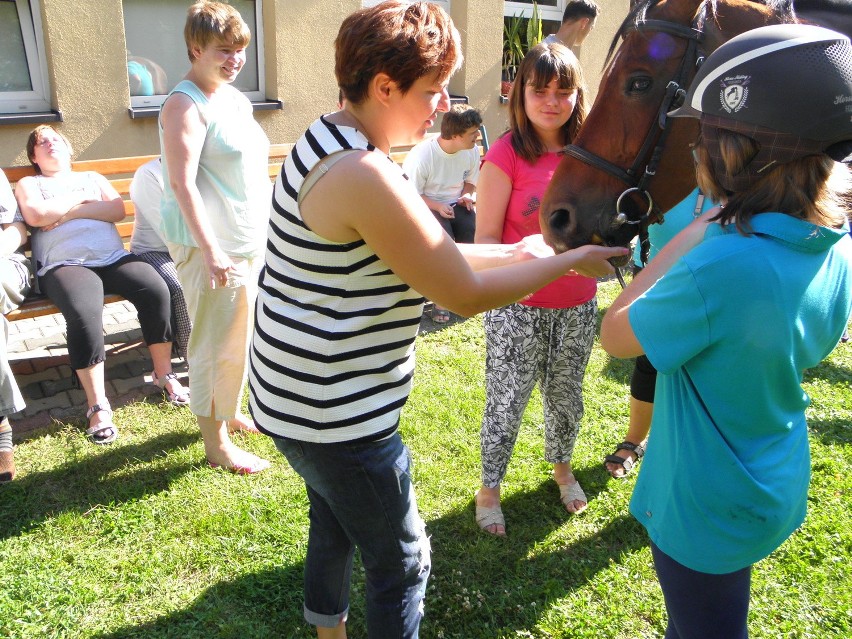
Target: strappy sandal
{"x": 176, "y": 398}
{"x": 625, "y": 462}
{"x": 96, "y": 433}
{"x": 440, "y": 315}
{"x": 569, "y": 493}
{"x": 488, "y": 516}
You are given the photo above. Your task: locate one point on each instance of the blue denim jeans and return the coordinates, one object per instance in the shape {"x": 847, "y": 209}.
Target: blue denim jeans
{"x": 361, "y": 495}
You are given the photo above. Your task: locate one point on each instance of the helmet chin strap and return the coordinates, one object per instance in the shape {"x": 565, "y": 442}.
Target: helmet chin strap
{"x": 774, "y": 148}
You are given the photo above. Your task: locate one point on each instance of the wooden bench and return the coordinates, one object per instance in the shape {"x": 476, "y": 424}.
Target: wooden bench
{"x": 119, "y": 172}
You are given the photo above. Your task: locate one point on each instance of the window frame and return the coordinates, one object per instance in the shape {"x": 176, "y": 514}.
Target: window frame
{"x": 524, "y": 9}
{"x": 36, "y": 100}
{"x": 444, "y": 4}
{"x": 147, "y": 105}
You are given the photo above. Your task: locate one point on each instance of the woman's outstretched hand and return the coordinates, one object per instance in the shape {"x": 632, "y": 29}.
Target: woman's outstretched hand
{"x": 593, "y": 261}
{"x": 534, "y": 246}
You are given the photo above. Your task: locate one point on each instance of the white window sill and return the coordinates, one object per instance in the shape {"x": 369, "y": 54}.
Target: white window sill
{"x": 154, "y": 111}
{"x": 39, "y": 117}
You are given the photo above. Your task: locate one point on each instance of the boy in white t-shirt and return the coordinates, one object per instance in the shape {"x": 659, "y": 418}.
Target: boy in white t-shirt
{"x": 444, "y": 170}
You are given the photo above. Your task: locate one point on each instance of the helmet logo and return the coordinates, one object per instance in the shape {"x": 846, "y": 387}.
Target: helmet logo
{"x": 734, "y": 92}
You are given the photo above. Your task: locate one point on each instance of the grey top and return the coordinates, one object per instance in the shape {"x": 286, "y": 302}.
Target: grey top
{"x": 82, "y": 242}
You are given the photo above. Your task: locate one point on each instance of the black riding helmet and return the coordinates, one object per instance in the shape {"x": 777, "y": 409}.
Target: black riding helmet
{"x": 792, "y": 79}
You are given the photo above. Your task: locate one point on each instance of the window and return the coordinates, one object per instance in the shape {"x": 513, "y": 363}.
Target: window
{"x": 156, "y": 51}
{"x": 23, "y": 72}
{"x": 445, "y": 4}
{"x": 550, "y": 10}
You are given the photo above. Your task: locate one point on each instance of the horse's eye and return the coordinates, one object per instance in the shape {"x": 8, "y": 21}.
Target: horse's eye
{"x": 639, "y": 84}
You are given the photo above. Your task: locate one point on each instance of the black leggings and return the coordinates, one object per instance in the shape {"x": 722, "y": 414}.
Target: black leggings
{"x": 644, "y": 378}
{"x": 701, "y": 605}
{"x": 78, "y": 292}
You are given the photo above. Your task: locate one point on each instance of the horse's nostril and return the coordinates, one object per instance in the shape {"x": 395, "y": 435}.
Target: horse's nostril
{"x": 560, "y": 220}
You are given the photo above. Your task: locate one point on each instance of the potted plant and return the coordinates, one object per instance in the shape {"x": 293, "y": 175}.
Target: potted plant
{"x": 519, "y": 36}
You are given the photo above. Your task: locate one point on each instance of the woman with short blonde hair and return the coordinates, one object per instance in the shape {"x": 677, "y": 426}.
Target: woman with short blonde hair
{"x": 215, "y": 208}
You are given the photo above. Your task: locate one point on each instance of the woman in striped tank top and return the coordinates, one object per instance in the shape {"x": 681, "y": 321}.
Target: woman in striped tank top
{"x": 352, "y": 249}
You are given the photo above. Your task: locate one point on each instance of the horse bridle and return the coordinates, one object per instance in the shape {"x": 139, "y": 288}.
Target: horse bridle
{"x": 636, "y": 178}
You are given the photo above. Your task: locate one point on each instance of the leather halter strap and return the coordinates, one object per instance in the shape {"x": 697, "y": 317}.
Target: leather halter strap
{"x": 652, "y": 147}
{"x": 675, "y": 91}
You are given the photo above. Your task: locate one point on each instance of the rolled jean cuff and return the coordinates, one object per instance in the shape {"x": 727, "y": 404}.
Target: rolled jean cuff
{"x": 325, "y": 621}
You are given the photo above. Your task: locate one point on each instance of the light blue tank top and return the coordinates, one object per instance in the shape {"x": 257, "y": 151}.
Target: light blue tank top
{"x": 232, "y": 175}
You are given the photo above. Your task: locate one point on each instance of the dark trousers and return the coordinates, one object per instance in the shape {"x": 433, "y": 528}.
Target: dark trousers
{"x": 644, "y": 379}
{"x": 78, "y": 292}
{"x": 462, "y": 227}
{"x": 701, "y": 605}
{"x": 362, "y": 496}
{"x": 643, "y": 382}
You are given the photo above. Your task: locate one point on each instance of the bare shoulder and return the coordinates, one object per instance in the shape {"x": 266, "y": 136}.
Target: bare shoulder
{"x": 179, "y": 107}
{"x": 358, "y": 187}
{"x": 364, "y": 173}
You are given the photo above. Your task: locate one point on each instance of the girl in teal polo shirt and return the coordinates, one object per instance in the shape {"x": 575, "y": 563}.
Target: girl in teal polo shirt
{"x": 733, "y": 310}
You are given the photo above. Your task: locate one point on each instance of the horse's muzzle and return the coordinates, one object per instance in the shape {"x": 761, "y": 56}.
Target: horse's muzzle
{"x": 621, "y": 261}
{"x": 561, "y": 230}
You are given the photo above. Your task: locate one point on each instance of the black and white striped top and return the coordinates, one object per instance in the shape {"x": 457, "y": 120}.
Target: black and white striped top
{"x": 332, "y": 354}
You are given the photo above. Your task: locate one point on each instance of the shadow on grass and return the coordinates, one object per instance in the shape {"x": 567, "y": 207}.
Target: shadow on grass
{"x": 829, "y": 371}
{"x": 485, "y": 586}
{"x": 836, "y": 431}
{"x": 618, "y": 370}
{"x": 257, "y": 605}
{"x": 513, "y": 580}
{"x": 81, "y": 484}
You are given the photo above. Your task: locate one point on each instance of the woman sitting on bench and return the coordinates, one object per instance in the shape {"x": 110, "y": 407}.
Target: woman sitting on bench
{"x": 79, "y": 256}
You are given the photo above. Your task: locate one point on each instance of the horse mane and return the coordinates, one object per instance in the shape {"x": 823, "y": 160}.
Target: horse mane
{"x": 783, "y": 10}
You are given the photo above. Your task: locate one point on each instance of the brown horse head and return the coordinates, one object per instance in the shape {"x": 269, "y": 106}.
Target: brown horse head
{"x": 630, "y": 162}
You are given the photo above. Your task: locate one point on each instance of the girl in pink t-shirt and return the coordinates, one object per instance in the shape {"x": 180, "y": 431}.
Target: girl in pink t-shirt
{"x": 546, "y": 338}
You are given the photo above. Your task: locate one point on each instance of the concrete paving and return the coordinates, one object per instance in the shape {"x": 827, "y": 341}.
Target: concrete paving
{"x": 39, "y": 358}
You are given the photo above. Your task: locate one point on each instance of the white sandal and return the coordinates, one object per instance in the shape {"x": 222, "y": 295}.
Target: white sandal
{"x": 94, "y": 433}
{"x": 569, "y": 493}
{"x": 176, "y": 398}
{"x": 487, "y": 516}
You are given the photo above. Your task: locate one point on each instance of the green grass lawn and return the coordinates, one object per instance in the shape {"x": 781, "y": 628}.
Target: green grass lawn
{"x": 141, "y": 539}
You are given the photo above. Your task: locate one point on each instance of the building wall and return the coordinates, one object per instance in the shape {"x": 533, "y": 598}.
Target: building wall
{"x": 594, "y": 49}
{"x": 88, "y": 75}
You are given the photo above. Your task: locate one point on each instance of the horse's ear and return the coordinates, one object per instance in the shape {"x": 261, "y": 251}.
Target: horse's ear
{"x": 840, "y": 151}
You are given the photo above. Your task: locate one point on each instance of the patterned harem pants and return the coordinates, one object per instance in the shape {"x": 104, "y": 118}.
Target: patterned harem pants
{"x": 525, "y": 345}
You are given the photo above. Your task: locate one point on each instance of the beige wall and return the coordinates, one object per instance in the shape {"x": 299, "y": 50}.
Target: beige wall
{"x": 592, "y": 55}
{"x": 480, "y": 23}
{"x": 594, "y": 49}
{"x": 88, "y": 76}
